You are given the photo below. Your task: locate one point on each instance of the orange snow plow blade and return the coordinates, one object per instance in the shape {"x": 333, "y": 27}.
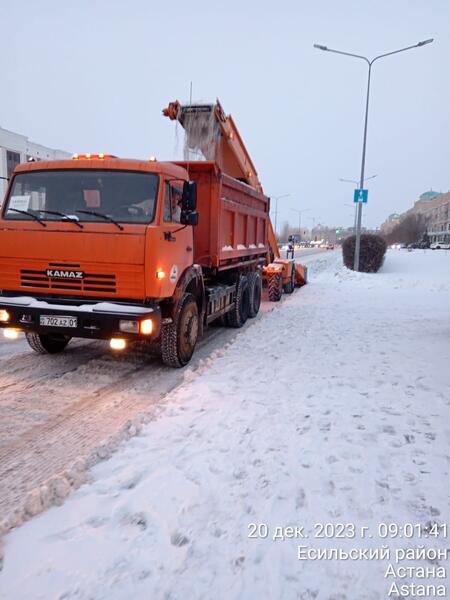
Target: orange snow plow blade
{"x": 301, "y": 274}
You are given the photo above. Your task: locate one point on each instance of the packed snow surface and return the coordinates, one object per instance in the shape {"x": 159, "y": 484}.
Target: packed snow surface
{"x": 332, "y": 409}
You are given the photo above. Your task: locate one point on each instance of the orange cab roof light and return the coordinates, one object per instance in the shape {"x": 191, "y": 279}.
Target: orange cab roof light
{"x": 88, "y": 156}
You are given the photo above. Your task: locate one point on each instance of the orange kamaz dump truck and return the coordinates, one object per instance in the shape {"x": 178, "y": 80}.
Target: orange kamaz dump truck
{"x": 106, "y": 248}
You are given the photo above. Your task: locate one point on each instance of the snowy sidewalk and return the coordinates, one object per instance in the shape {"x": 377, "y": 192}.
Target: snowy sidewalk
{"x": 333, "y": 408}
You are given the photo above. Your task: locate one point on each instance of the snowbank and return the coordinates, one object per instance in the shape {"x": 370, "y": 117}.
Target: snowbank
{"x": 332, "y": 409}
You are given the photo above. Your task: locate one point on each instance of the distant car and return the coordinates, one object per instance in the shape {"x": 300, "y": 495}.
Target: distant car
{"x": 330, "y": 246}
{"x": 439, "y": 246}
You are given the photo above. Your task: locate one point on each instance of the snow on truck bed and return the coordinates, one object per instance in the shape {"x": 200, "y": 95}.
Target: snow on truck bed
{"x": 333, "y": 408}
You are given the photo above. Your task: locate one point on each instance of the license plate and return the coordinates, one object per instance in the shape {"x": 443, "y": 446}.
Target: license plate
{"x": 53, "y": 321}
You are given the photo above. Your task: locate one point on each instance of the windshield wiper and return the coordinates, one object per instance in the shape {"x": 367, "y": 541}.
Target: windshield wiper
{"x": 30, "y": 214}
{"x": 101, "y": 215}
{"x": 65, "y": 217}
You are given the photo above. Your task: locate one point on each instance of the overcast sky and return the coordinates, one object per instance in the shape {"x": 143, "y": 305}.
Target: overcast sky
{"x": 87, "y": 76}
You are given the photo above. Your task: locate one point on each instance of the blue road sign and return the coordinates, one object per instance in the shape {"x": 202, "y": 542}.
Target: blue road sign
{"x": 360, "y": 195}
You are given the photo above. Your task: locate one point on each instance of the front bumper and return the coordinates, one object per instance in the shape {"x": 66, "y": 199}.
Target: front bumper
{"x": 98, "y": 320}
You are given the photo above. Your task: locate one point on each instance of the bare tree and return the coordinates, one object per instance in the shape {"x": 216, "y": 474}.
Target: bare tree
{"x": 411, "y": 229}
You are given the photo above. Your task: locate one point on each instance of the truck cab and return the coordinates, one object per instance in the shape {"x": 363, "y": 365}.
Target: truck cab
{"x": 93, "y": 247}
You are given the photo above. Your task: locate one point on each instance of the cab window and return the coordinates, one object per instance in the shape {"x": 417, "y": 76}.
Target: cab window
{"x": 126, "y": 196}
{"x": 172, "y": 203}
{"x": 167, "y": 215}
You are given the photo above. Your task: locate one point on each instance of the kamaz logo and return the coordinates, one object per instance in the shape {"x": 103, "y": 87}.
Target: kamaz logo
{"x": 65, "y": 274}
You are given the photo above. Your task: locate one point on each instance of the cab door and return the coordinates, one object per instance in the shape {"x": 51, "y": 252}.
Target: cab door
{"x": 172, "y": 253}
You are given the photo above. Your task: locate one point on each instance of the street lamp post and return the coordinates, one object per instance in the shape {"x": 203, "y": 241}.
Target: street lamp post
{"x": 313, "y": 219}
{"x": 276, "y": 198}
{"x": 363, "y": 160}
{"x": 300, "y": 220}
{"x": 355, "y": 214}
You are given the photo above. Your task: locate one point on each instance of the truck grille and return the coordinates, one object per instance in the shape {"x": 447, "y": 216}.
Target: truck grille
{"x": 92, "y": 282}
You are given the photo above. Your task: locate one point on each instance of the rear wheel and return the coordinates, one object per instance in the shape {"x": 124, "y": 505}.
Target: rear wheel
{"x": 178, "y": 339}
{"x": 275, "y": 287}
{"x": 254, "y": 288}
{"x": 47, "y": 343}
{"x": 238, "y": 315}
{"x": 290, "y": 285}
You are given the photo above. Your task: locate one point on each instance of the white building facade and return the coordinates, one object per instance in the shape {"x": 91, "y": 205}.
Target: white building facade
{"x": 15, "y": 149}
{"x": 438, "y": 221}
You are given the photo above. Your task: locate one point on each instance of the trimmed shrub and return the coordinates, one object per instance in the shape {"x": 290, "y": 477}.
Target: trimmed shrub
{"x": 371, "y": 252}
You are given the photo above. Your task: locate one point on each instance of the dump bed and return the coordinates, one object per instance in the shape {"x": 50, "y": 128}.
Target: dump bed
{"x": 233, "y": 218}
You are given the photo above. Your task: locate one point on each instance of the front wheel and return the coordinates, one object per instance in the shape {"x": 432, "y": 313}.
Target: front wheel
{"x": 275, "y": 287}
{"x": 44, "y": 343}
{"x": 179, "y": 338}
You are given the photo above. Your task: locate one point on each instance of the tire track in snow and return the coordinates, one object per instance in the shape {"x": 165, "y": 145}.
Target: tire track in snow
{"x": 52, "y": 457}
{"x": 18, "y": 367}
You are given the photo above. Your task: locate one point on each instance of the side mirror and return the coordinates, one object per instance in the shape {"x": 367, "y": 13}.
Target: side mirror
{"x": 189, "y": 218}
{"x": 189, "y": 197}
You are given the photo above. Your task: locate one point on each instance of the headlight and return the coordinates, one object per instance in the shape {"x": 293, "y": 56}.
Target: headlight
{"x": 129, "y": 326}
{"x": 117, "y": 344}
{"x": 146, "y": 327}
{"x": 11, "y": 334}
{"x": 4, "y": 316}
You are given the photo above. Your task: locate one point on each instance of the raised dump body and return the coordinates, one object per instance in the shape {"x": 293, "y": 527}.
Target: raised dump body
{"x": 233, "y": 219}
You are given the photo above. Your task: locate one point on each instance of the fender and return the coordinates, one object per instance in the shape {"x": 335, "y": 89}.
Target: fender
{"x": 190, "y": 280}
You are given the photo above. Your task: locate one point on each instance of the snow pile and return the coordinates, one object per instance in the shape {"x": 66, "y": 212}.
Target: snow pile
{"x": 331, "y": 409}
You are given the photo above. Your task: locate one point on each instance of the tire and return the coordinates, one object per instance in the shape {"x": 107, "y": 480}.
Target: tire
{"x": 275, "y": 287}
{"x": 238, "y": 315}
{"x": 290, "y": 286}
{"x": 255, "y": 290}
{"x": 179, "y": 338}
{"x": 47, "y": 343}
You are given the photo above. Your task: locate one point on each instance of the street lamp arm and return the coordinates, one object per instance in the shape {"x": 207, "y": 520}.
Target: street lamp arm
{"x": 326, "y": 49}
{"x": 354, "y": 180}
{"x": 401, "y": 50}
{"x": 300, "y": 211}
{"x": 370, "y": 62}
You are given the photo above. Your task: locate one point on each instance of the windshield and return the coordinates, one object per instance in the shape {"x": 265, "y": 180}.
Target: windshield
{"x": 84, "y": 195}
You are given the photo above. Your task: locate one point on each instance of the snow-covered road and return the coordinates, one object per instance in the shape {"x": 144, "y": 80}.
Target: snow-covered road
{"x": 332, "y": 409}
{"x": 60, "y": 414}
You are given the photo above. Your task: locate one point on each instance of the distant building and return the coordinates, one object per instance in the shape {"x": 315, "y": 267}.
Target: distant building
{"x": 438, "y": 220}
{"x": 430, "y": 195}
{"x": 16, "y": 148}
{"x": 321, "y": 233}
{"x": 426, "y": 201}
{"x": 423, "y": 205}
{"x": 391, "y": 222}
